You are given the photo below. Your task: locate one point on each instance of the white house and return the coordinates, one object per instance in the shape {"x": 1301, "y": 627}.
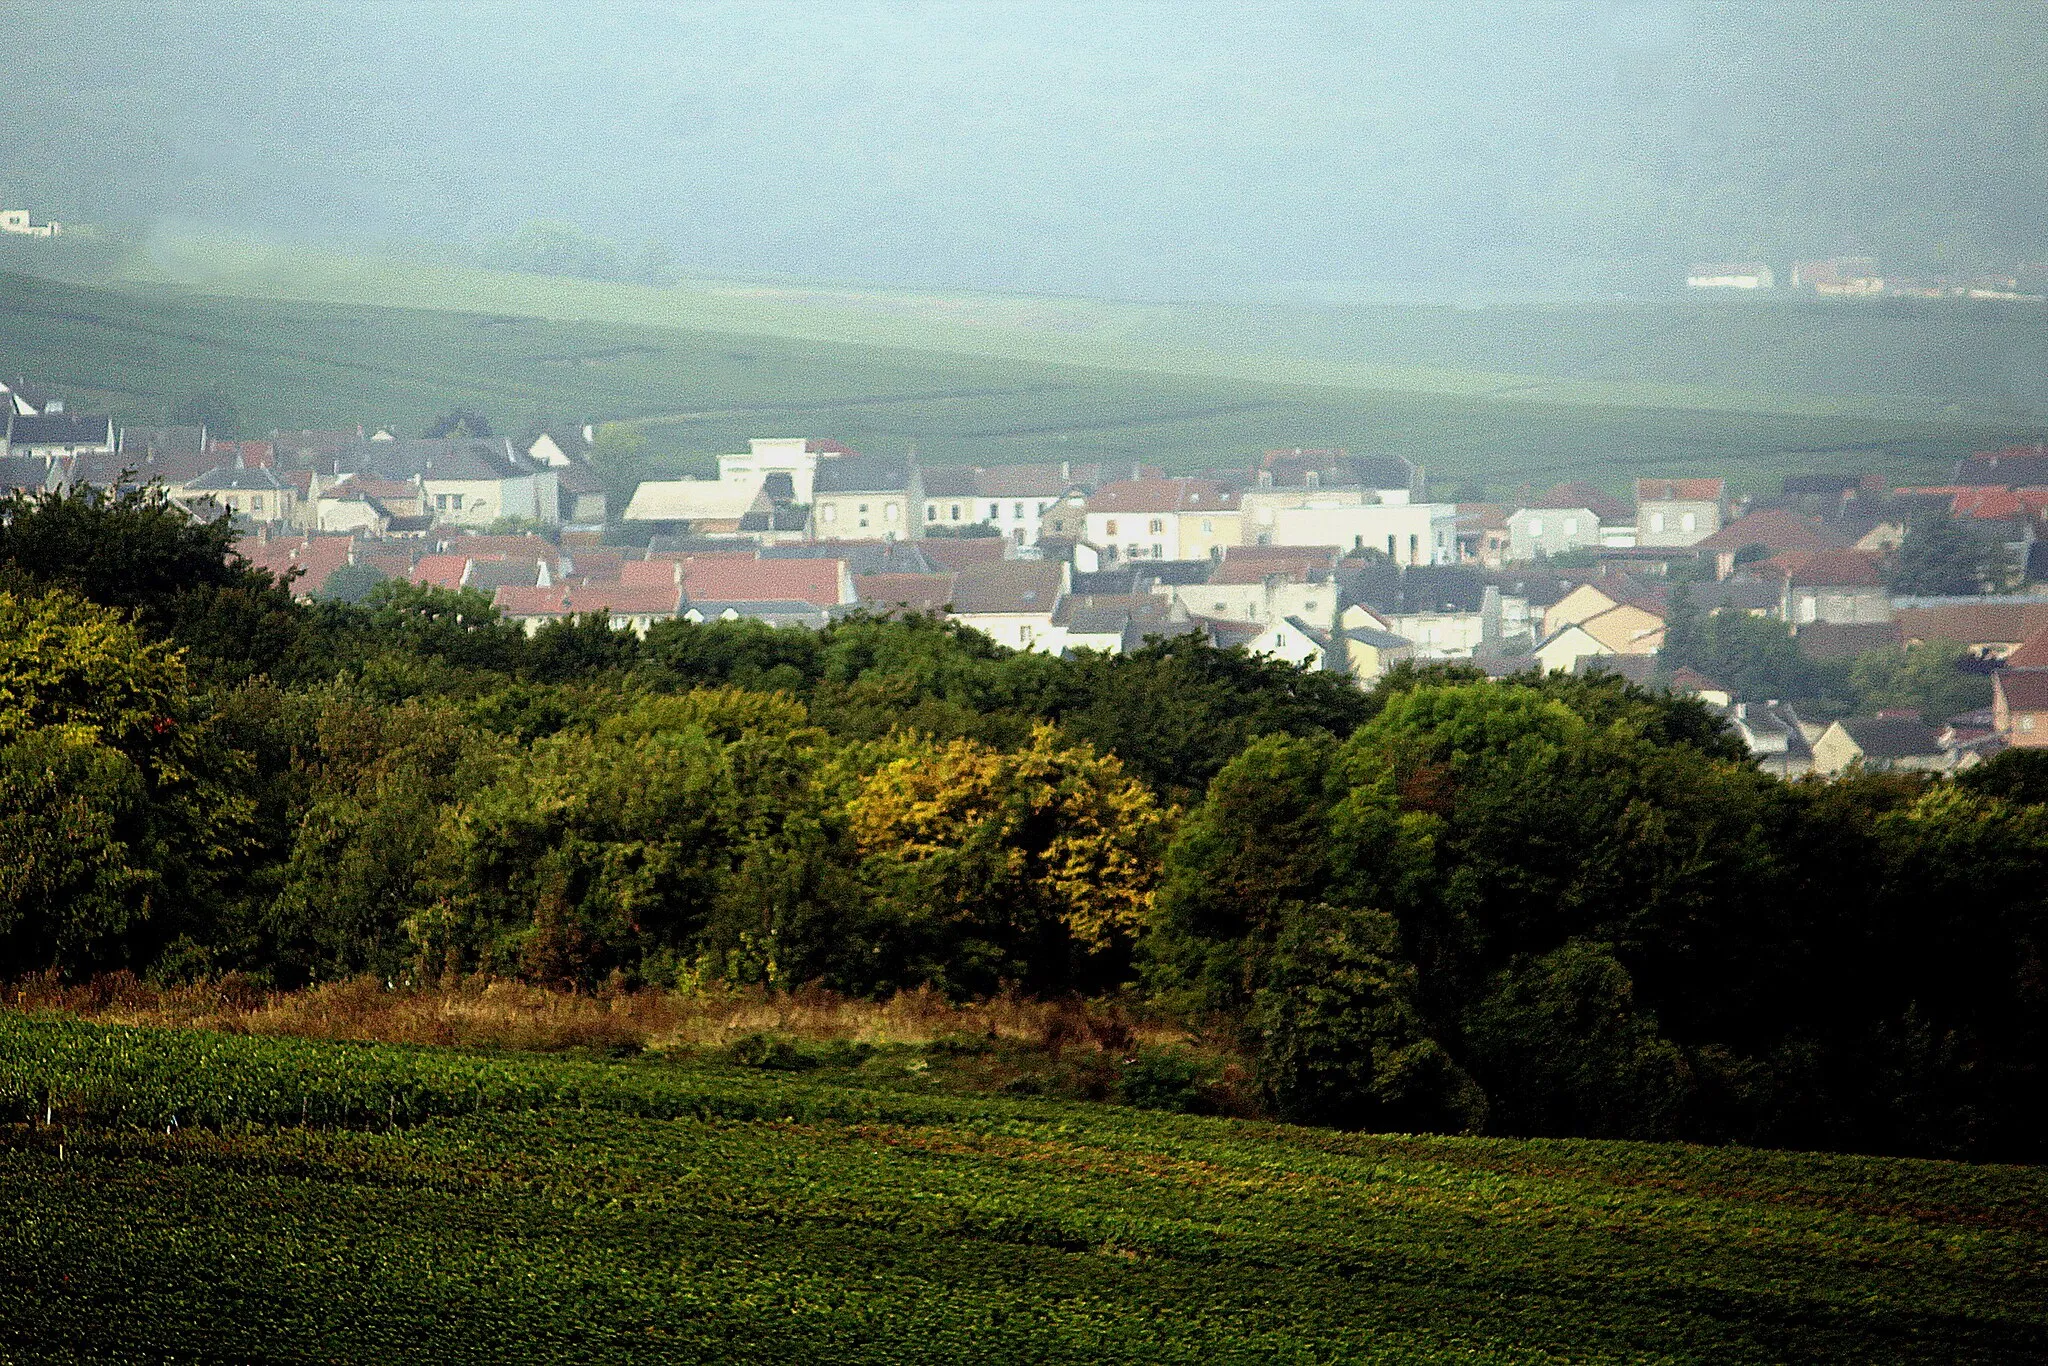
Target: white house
{"x": 465, "y": 481}
{"x": 1406, "y": 533}
{"x": 1730, "y": 275}
{"x": 1013, "y": 602}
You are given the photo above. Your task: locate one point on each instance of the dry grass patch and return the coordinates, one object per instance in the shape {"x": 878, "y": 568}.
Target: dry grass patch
{"x": 480, "y": 1012}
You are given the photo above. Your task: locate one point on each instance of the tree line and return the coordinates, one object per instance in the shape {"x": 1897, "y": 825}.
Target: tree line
{"x": 1541, "y": 906}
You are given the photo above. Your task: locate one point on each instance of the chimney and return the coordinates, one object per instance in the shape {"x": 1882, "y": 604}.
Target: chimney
{"x": 1137, "y": 470}
{"x": 1066, "y": 471}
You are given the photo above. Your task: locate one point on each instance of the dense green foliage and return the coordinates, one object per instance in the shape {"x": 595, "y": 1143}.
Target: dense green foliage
{"x": 348, "y": 1203}
{"x": 1545, "y": 906}
{"x": 1566, "y": 907}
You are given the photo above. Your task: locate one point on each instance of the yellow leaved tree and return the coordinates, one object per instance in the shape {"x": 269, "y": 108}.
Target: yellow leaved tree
{"x": 1036, "y": 866}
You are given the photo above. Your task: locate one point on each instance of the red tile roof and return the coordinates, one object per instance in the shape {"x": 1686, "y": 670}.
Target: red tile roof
{"x": 722, "y": 578}
{"x": 314, "y": 557}
{"x": 445, "y": 571}
{"x": 1680, "y": 490}
{"x": 642, "y": 573}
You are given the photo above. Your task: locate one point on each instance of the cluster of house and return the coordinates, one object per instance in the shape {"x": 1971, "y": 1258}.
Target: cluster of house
{"x": 312, "y": 481}
{"x": 1322, "y": 558}
{"x": 1858, "y": 277}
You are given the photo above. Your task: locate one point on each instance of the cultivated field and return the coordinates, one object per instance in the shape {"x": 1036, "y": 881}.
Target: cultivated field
{"x": 192, "y": 1196}
{"x": 1495, "y": 396}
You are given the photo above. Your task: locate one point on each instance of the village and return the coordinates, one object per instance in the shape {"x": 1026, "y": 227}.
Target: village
{"x": 1319, "y": 557}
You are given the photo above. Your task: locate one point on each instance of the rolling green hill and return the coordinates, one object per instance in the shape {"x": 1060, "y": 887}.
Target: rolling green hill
{"x": 202, "y": 1197}
{"x": 1502, "y": 395}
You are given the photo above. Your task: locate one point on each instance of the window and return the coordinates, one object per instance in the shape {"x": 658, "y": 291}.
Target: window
{"x": 1109, "y": 527}
{"x": 440, "y": 502}
{"x": 1024, "y": 634}
{"x": 1208, "y": 525}
{"x": 1017, "y": 511}
{"x": 1414, "y": 548}
{"x": 1656, "y": 521}
{"x": 256, "y": 503}
{"x": 1312, "y": 480}
{"x": 995, "y": 510}
{"x": 863, "y": 509}
{"x": 931, "y": 512}
{"x": 890, "y": 512}
{"x": 828, "y": 513}
{"x": 455, "y": 501}
{"x": 954, "y": 512}
{"x": 2027, "y": 722}
{"x": 1157, "y": 526}
{"x": 1390, "y": 547}
{"x": 1309, "y": 606}
{"x": 1535, "y": 526}
{"x": 1689, "y": 522}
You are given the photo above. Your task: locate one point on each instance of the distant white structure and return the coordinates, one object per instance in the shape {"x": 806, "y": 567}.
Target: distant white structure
{"x": 1731, "y": 275}
{"x": 17, "y": 222}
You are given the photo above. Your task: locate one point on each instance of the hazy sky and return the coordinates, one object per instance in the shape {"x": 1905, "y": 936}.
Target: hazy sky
{"x": 1186, "y": 149}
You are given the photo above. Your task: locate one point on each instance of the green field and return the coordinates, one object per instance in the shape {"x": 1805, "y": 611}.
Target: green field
{"x": 1501, "y": 395}
{"x": 204, "y": 1197}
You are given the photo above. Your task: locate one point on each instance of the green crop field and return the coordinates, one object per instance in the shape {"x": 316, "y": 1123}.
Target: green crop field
{"x": 195, "y": 1197}
{"x": 1498, "y": 395}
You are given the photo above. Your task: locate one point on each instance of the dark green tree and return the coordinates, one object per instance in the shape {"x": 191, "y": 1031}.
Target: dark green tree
{"x": 1942, "y": 556}
{"x": 213, "y": 409}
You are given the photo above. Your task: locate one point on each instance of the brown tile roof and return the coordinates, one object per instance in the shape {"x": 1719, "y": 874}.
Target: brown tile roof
{"x": 1845, "y": 640}
{"x": 2033, "y": 654}
{"x": 958, "y": 552}
{"x": 444, "y": 571}
{"x": 561, "y": 600}
{"x": 916, "y": 592}
{"x": 1162, "y": 495}
{"x": 1832, "y": 568}
{"x": 1583, "y": 495}
{"x": 1680, "y": 490}
{"x": 1775, "y": 529}
{"x": 1975, "y": 623}
{"x": 2022, "y": 689}
{"x": 1024, "y": 586}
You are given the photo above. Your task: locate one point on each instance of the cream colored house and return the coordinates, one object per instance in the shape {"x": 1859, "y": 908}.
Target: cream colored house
{"x": 1162, "y": 519}
{"x": 867, "y": 498}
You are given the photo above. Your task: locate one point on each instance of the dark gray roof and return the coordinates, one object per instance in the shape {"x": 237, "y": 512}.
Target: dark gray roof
{"x": 1369, "y": 635}
{"x": 862, "y": 474}
{"x": 453, "y": 458}
{"x": 2004, "y": 469}
{"x": 488, "y": 576}
{"x": 862, "y": 557}
{"x": 233, "y": 478}
{"x": 30, "y": 472}
{"x": 948, "y": 481}
{"x": 163, "y": 440}
{"x": 63, "y": 429}
{"x": 1637, "y": 669}
{"x": 776, "y": 517}
{"x": 1891, "y": 737}
{"x": 776, "y": 613}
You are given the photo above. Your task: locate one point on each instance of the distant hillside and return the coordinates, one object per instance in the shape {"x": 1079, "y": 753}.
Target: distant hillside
{"x": 1749, "y": 388}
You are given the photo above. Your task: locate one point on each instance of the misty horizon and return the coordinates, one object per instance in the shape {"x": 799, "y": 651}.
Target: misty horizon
{"x": 1191, "y": 151}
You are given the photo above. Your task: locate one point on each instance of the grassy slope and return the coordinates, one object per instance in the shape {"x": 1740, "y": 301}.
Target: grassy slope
{"x": 551, "y": 1210}
{"x": 1508, "y": 394}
